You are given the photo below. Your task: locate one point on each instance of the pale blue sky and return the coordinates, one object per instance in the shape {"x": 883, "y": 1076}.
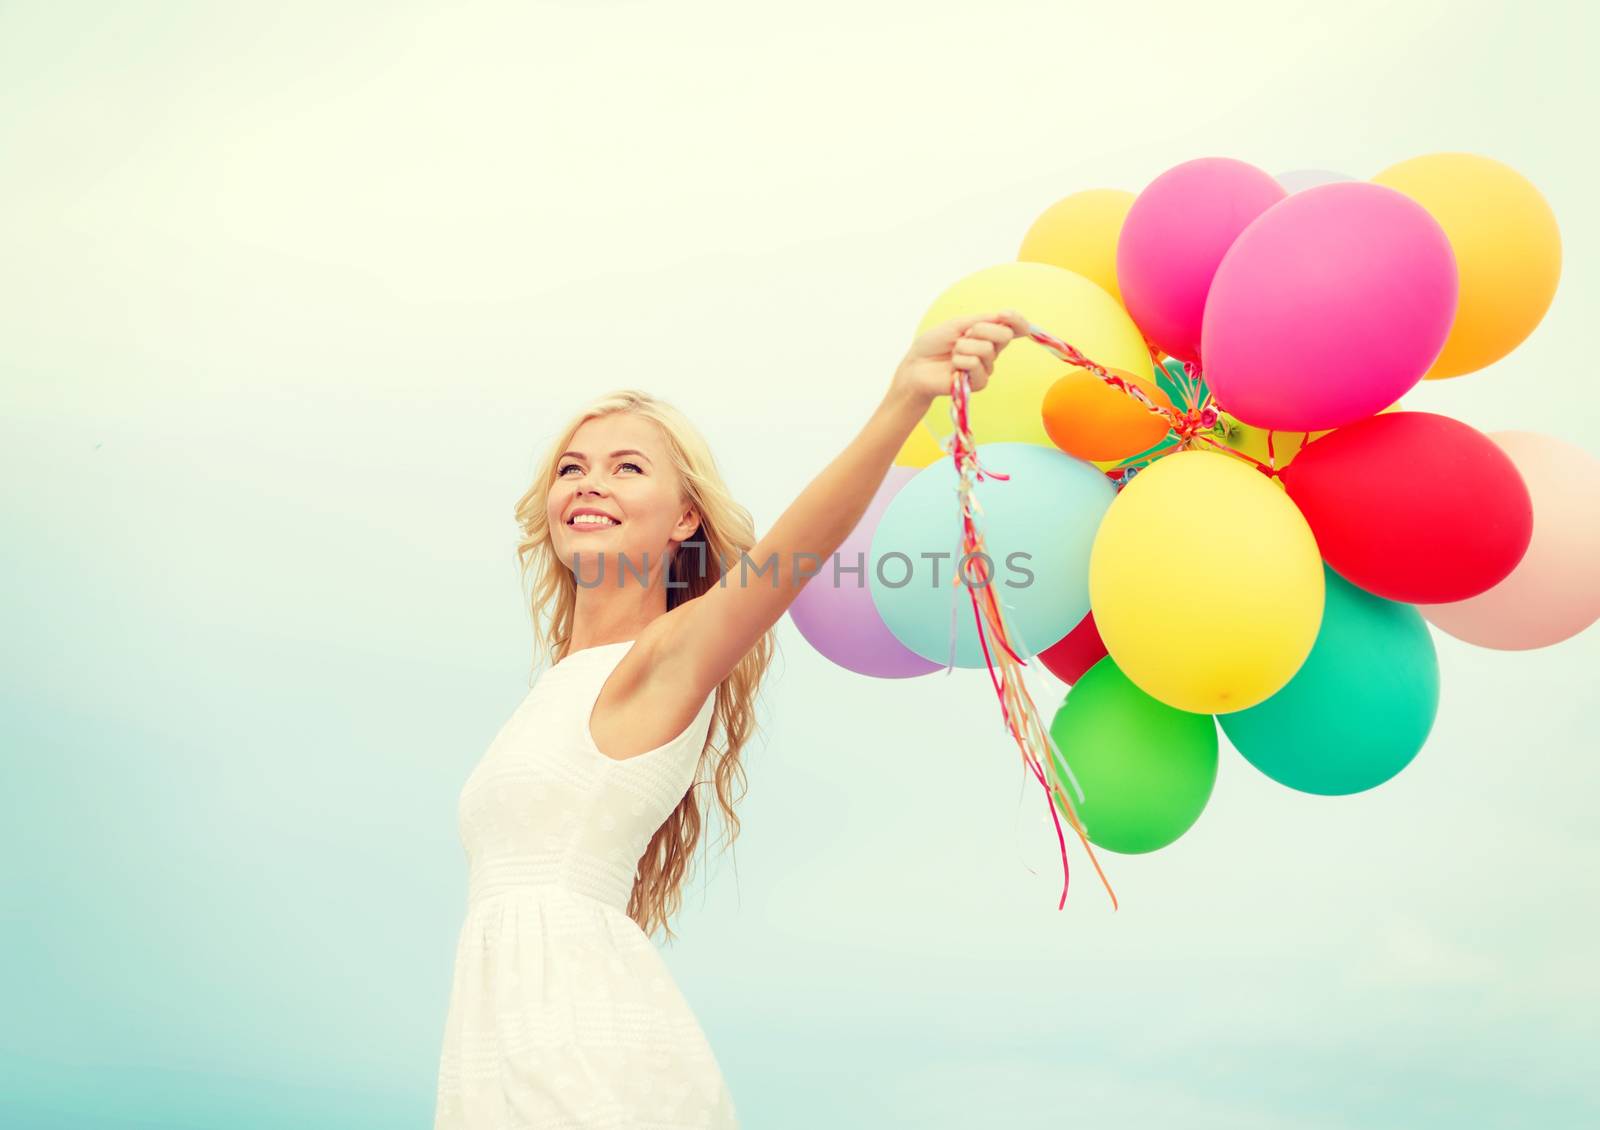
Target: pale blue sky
{"x": 293, "y": 295}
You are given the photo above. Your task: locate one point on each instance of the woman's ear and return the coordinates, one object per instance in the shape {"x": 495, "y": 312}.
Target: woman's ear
{"x": 689, "y": 523}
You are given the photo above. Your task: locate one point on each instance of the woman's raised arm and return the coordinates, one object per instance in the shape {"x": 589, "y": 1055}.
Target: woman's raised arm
{"x": 721, "y": 625}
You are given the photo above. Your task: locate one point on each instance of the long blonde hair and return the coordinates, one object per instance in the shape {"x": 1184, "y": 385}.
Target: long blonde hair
{"x": 725, "y": 535}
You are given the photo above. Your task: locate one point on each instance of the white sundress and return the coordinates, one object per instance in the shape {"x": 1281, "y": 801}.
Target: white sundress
{"x": 563, "y": 1015}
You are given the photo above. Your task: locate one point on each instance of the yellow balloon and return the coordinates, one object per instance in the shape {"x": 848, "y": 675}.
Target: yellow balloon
{"x": 1507, "y": 248}
{"x": 1080, "y": 232}
{"x": 1206, "y": 583}
{"x": 920, "y": 449}
{"x": 1254, "y": 442}
{"x": 1056, "y": 300}
{"x": 1282, "y": 447}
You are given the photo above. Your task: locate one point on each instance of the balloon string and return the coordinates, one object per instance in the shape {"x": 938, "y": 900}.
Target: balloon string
{"x": 1070, "y": 354}
{"x": 1270, "y": 472}
{"x": 1004, "y": 664}
{"x": 1155, "y": 362}
{"x": 1186, "y": 383}
{"x": 1198, "y": 415}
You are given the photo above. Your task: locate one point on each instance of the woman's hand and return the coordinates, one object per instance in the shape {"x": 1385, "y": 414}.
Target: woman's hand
{"x": 970, "y": 344}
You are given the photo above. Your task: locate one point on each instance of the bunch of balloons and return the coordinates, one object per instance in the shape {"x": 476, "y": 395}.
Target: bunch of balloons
{"x": 1214, "y": 509}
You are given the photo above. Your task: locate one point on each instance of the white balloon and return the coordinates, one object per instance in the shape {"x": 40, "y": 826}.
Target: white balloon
{"x": 1301, "y": 179}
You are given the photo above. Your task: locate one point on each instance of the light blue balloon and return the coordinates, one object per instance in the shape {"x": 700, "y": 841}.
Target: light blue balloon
{"x": 1301, "y": 179}
{"x": 1038, "y": 527}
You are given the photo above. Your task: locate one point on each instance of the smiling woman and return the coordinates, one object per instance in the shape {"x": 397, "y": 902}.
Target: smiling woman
{"x": 581, "y": 819}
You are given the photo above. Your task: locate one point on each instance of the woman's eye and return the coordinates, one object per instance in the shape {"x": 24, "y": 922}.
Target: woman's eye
{"x": 574, "y": 467}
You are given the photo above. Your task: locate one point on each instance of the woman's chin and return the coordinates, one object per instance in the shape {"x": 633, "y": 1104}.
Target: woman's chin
{"x": 613, "y": 552}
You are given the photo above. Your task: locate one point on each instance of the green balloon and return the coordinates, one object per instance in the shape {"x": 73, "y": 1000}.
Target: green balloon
{"x": 1146, "y": 768}
{"x": 1359, "y": 708}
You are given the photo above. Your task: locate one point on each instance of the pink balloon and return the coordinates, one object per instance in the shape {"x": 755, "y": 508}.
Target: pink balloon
{"x": 1174, "y": 236}
{"x": 840, "y": 620}
{"x": 1554, "y": 592}
{"x": 1328, "y": 308}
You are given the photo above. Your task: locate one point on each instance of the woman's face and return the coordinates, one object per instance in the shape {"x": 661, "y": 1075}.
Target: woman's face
{"x": 617, "y": 466}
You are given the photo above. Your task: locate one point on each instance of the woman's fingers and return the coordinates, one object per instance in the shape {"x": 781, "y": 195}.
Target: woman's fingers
{"x": 974, "y": 366}
{"x": 1013, "y": 321}
{"x": 996, "y": 334}
{"x": 981, "y": 341}
{"x": 968, "y": 364}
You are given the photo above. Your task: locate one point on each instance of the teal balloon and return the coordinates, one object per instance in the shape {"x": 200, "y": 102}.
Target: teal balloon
{"x": 1359, "y": 708}
{"x": 1146, "y": 768}
{"x": 1038, "y": 526}
{"x": 1170, "y": 376}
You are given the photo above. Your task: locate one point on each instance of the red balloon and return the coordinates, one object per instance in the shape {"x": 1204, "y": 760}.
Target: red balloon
{"x": 1413, "y": 506}
{"x": 1074, "y": 653}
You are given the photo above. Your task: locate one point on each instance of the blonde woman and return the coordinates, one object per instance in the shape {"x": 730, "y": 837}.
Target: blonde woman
{"x": 579, "y": 823}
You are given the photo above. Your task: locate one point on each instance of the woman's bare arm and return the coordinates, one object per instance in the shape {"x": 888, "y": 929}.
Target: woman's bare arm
{"x": 720, "y": 626}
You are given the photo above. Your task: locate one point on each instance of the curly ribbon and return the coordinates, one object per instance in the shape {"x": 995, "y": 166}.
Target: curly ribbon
{"x": 1005, "y": 666}
{"x": 1196, "y": 423}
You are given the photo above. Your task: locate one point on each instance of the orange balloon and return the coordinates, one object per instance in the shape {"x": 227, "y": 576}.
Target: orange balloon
{"x": 1087, "y": 418}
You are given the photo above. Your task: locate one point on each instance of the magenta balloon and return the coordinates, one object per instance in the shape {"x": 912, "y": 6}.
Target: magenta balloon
{"x": 840, "y": 620}
{"x": 1328, "y": 308}
{"x": 1176, "y": 233}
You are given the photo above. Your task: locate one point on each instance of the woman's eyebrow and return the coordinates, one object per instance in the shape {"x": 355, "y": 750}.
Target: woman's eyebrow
{"x": 614, "y": 454}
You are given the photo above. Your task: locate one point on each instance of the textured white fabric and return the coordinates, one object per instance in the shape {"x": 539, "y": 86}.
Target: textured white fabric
{"x": 563, "y": 1015}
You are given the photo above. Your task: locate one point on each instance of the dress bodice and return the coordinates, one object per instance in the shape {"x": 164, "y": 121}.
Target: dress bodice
{"x": 544, "y": 807}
